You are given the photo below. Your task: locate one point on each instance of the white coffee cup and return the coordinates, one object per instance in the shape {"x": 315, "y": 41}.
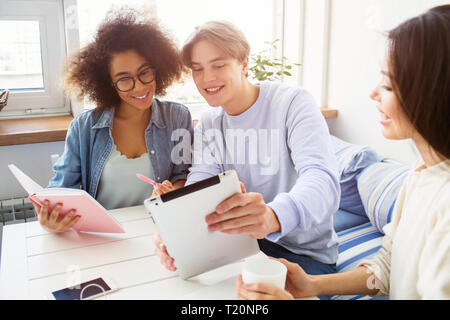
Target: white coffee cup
{"x": 264, "y": 270}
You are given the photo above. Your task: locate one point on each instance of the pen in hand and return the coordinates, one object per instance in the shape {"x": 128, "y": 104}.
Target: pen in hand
{"x": 158, "y": 188}
{"x": 146, "y": 179}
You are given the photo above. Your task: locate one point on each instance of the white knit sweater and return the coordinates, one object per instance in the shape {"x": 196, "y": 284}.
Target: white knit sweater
{"x": 414, "y": 262}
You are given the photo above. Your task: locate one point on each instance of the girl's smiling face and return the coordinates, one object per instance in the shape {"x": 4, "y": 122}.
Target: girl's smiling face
{"x": 395, "y": 124}
{"x": 128, "y": 65}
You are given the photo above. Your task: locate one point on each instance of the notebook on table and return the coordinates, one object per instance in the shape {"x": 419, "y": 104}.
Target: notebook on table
{"x": 94, "y": 217}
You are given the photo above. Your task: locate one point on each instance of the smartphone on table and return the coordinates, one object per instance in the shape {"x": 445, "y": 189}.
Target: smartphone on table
{"x": 87, "y": 290}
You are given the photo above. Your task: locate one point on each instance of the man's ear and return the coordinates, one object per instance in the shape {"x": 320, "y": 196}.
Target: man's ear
{"x": 245, "y": 67}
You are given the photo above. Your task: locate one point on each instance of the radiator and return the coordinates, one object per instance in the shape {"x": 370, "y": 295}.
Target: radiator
{"x": 14, "y": 211}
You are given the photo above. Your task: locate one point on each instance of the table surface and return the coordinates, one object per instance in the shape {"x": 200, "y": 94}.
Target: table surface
{"x": 35, "y": 263}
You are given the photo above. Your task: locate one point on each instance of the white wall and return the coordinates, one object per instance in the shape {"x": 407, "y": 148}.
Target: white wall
{"x": 356, "y": 49}
{"x": 33, "y": 159}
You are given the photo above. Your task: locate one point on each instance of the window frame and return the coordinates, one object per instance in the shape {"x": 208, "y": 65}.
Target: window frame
{"x": 51, "y": 100}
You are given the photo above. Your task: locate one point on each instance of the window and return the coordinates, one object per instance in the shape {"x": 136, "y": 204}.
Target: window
{"x": 32, "y": 53}
{"x": 20, "y": 57}
{"x": 254, "y": 17}
{"x": 261, "y": 20}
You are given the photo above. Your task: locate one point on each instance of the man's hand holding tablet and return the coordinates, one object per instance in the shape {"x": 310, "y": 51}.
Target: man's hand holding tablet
{"x": 244, "y": 213}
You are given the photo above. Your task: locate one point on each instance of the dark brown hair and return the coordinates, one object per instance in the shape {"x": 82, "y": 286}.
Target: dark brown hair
{"x": 418, "y": 58}
{"x": 87, "y": 72}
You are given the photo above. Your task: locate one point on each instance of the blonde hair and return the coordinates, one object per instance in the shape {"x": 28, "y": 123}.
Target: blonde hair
{"x": 222, "y": 34}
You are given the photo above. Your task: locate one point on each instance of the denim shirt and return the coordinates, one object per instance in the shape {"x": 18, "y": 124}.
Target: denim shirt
{"x": 89, "y": 143}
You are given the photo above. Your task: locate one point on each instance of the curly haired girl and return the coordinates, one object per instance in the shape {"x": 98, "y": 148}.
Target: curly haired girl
{"x": 130, "y": 130}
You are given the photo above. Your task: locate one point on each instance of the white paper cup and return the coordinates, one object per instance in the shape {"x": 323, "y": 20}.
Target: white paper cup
{"x": 264, "y": 270}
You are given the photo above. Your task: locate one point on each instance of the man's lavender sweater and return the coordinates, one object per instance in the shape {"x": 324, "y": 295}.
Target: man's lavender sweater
{"x": 281, "y": 148}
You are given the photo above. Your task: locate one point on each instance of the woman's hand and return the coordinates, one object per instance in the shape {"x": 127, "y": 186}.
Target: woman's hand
{"x": 51, "y": 221}
{"x": 162, "y": 188}
{"x": 298, "y": 285}
{"x": 261, "y": 291}
{"x": 161, "y": 251}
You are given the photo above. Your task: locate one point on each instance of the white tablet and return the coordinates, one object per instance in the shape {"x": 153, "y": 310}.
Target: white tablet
{"x": 180, "y": 219}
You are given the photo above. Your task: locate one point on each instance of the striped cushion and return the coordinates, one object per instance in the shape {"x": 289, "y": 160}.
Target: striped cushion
{"x": 352, "y": 159}
{"x": 342, "y": 220}
{"x": 355, "y": 244}
{"x": 378, "y": 186}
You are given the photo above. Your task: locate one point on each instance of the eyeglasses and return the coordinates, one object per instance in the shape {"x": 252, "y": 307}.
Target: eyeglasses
{"x": 127, "y": 84}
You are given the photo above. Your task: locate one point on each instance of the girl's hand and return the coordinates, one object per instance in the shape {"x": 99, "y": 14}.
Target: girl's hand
{"x": 52, "y": 222}
{"x": 298, "y": 285}
{"x": 261, "y": 291}
{"x": 162, "y": 188}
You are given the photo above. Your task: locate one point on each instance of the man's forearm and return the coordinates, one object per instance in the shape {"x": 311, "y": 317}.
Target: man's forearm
{"x": 312, "y": 200}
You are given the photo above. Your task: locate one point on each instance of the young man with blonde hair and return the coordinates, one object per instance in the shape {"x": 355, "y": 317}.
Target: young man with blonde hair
{"x": 276, "y": 139}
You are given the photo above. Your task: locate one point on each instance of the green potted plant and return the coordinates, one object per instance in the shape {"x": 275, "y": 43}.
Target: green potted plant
{"x": 263, "y": 66}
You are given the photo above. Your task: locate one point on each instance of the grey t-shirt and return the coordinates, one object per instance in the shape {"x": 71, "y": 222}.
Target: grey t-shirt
{"x": 119, "y": 187}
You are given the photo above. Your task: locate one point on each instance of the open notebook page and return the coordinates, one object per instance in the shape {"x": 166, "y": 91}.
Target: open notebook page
{"x": 30, "y": 186}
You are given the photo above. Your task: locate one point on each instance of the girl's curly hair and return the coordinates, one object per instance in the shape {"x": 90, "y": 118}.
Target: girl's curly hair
{"x": 87, "y": 72}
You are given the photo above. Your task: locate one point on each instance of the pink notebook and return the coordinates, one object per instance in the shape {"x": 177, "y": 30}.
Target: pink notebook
{"x": 94, "y": 217}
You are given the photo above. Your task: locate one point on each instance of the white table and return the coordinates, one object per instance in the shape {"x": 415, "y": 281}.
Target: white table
{"x": 35, "y": 263}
